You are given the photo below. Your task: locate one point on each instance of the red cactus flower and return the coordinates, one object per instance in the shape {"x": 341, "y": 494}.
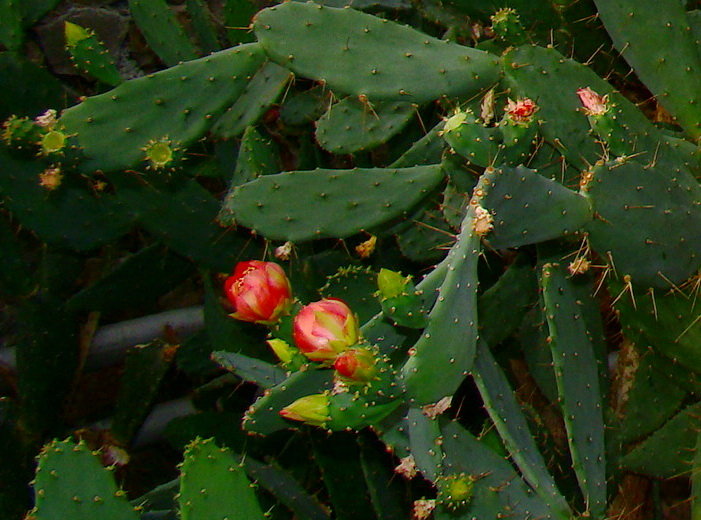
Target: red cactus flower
{"x": 520, "y": 111}
{"x": 324, "y": 329}
{"x": 259, "y": 291}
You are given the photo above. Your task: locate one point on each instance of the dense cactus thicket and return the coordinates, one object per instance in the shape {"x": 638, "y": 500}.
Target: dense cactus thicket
{"x": 379, "y": 260}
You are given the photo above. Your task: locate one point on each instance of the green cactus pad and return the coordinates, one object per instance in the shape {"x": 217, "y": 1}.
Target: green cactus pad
{"x": 498, "y": 490}
{"x": 348, "y": 410}
{"x": 505, "y": 411}
{"x": 671, "y": 71}
{"x": 90, "y": 55}
{"x": 503, "y": 306}
{"x": 181, "y": 213}
{"x": 443, "y": 355}
{"x": 306, "y": 205}
{"x": 472, "y": 140}
{"x": 353, "y": 126}
{"x": 667, "y": 322}
{"x": 359, "y": 53}
{"x": 213, "y": 485}
{"x": 578, "y": 386}
{"x": 648, "y": 221}
{"x": 203, "y": 26}
{"x": 11, "y": 30}
{"x": 178, "y": 103}
{"x": 71, "y": 483}
{"x": 528, "y": 208}
{"x": 257, "y": 156}
{"x": 427, "y": 150}
{"x": 162, "y": 31}
{"x": 264, "y": 416}
{"x": 258, "y": 96}
{"x": 71, "y": 216}
{"x": 250, "y": 369}
{"x": 145, "y": 367}
{"x": 551, "y": 80}
{"x": 669, "y": 451}
{"x": 425, "y": 442}
{"x": 651, "y": 398}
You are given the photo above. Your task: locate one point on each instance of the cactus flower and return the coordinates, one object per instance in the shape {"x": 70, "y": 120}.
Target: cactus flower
{"x": 51, "y": 178}
{"x": 324, "y": 329}
{"x": 593, "y": 103}
{"x": 312, "y": 409}
{"x": 521, "y": 111}
{"x": 259, "y": 291}
{"x": 356, "y": 364}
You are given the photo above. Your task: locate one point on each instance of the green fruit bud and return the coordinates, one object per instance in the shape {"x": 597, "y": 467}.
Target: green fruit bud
{"x": 455, "y": 491}
{"x": 391, "y": 283}
{"x": 312, "y": 409}
{"x": 53, "y": 141}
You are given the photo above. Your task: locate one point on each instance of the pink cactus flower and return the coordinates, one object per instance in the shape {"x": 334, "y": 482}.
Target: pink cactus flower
{"x": 259, "y": 291}
{"x": 593, "y": 103}
{"x": 324, "y": 329}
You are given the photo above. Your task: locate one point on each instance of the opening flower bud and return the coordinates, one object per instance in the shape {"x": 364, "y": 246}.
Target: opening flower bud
{"x": 391, "y": 283}
{"x": 259, "y": 291}
{"x": 312, "y": 409}
{"x": 51, "y": 178}
{"x": 356, "y": 364}
{"x": 593, "y": 103}
{"x": 521, "y": 111}
{"x": 324, "y": 329}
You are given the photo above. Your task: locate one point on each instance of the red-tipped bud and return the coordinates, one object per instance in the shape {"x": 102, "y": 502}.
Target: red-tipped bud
{"x": 324, "y": 329}
{"x": 521, "y": 111}
{"x": 312, "y": 409}
{"x": 593, "y": 103}
{"x": 259, "y": 291}
{"x": 356, "y": 364}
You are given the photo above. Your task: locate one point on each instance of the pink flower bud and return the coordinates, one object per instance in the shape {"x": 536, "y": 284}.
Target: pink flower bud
{"x": 356, "y": 364}
{"x": 324, "y": 329}
{"x": 520, "y": 111}
{"x": 593, "y": 103}
{"x": 312, "y": 409}
{"x": 259, "y": 291}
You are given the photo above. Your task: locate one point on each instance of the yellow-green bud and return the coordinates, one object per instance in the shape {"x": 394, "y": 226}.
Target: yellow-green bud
{"x": 53, "y": 141}
{"x": 282, "y": 349}
{"x": 312, "y": 409}
{"x": 75, "y": 34}
{"x": 391, "y": 283}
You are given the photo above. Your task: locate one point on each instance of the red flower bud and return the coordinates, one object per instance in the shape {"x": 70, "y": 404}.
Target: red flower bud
{"x": 324, "y": 329}
{"x": 259, "y": 291}
{"x": 356, "y": 364}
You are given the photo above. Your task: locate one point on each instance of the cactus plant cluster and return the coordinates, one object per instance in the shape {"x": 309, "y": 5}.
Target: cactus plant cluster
{"x": 448, "y": 253}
